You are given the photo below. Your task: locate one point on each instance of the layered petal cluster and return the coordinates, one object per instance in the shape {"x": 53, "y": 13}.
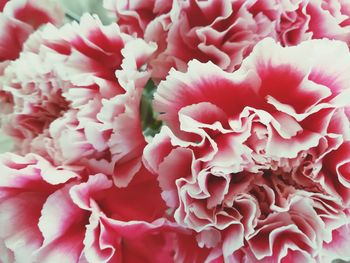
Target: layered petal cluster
{"x": 219, "y": 31}
{"x": 73, "y": 96}
{"x": 25, "y": 184}
{"x": 18, "y": 19}
{"x": 312, "y": 19}
{"x": 51, "y": 214}
{"x": 150, "y": 20}
{"x": 251, "y": 164}
{"x": 224, "y": 32}
{"x": 140, "y": 17}
{"x": 256, "y": 161}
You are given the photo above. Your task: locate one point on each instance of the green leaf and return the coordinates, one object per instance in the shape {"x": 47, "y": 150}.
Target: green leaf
{"x": 150, "y": 123}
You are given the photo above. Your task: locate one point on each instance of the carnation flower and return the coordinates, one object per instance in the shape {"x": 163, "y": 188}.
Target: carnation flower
{"x": 108, "y": 224}
{"x": 185, "y": 131}
{"x": 150, "y": 20}
{"x": 31, "y": 95}
{"x": 219, "y": 31}
{"x": 75, "y": 97}
{"x": 256, "y": 161}
{"x": 223, "y": 32}
{"x": 77, "y": 215}
{"x": 338, "y": 246}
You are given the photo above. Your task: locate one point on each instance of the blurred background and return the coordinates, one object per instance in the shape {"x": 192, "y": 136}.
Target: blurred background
{"x": 5, "y": 143}
{"x": 75, "y": 8}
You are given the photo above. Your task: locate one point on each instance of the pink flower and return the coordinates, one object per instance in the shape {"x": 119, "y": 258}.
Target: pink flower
{"x": 256, "y": 161}
{"x": 18, "y": 19}
{"x": 35, "y": 13}
{"x": 100, "y": 206}
{"x": 223, "y": 32}
{"x": 150, "y": 20}
{"x": 117, "y": 232}
{"x": 11, "y": 41}
{"x": 60, "y": 213}
{"x": 25, "y": 184}
{"x": 73, "y": 96}
{"x": 137, "y": 17}
{"x": 338, "y": 246}
{"x": 103, "y": 136}
{"x": 302, "y": 20}
{"x": 31, "y": 95}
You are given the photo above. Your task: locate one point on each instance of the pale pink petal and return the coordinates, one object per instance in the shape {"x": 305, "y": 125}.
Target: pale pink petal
{"x": 22, "y": 235}
{"x": 15, "y": 33}
{"x": 62, "y": 224}
{"x": 35, "y": 13}
{"x": 82, "y": 194}
{"x": 111, "y": 240}
{"x": 142, "y": 193}
{"x": 155, "y": 152}
{"x": 176, "y": 165}
{"x": 24, "y": 190}
{"x": 336, "y": 171}
{"x": 216, "y": 87}
{"x": 337, "y": 248}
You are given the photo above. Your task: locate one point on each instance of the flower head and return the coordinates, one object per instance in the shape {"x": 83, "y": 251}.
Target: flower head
{"x": 74, "y": 94}
{"x": 251, "y": 159}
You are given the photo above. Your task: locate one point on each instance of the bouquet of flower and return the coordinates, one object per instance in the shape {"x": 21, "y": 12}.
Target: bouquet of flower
{"x": 180, "y": 131}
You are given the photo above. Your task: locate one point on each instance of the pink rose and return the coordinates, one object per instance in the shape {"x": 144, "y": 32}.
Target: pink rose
{"x": 256, "y": 161}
